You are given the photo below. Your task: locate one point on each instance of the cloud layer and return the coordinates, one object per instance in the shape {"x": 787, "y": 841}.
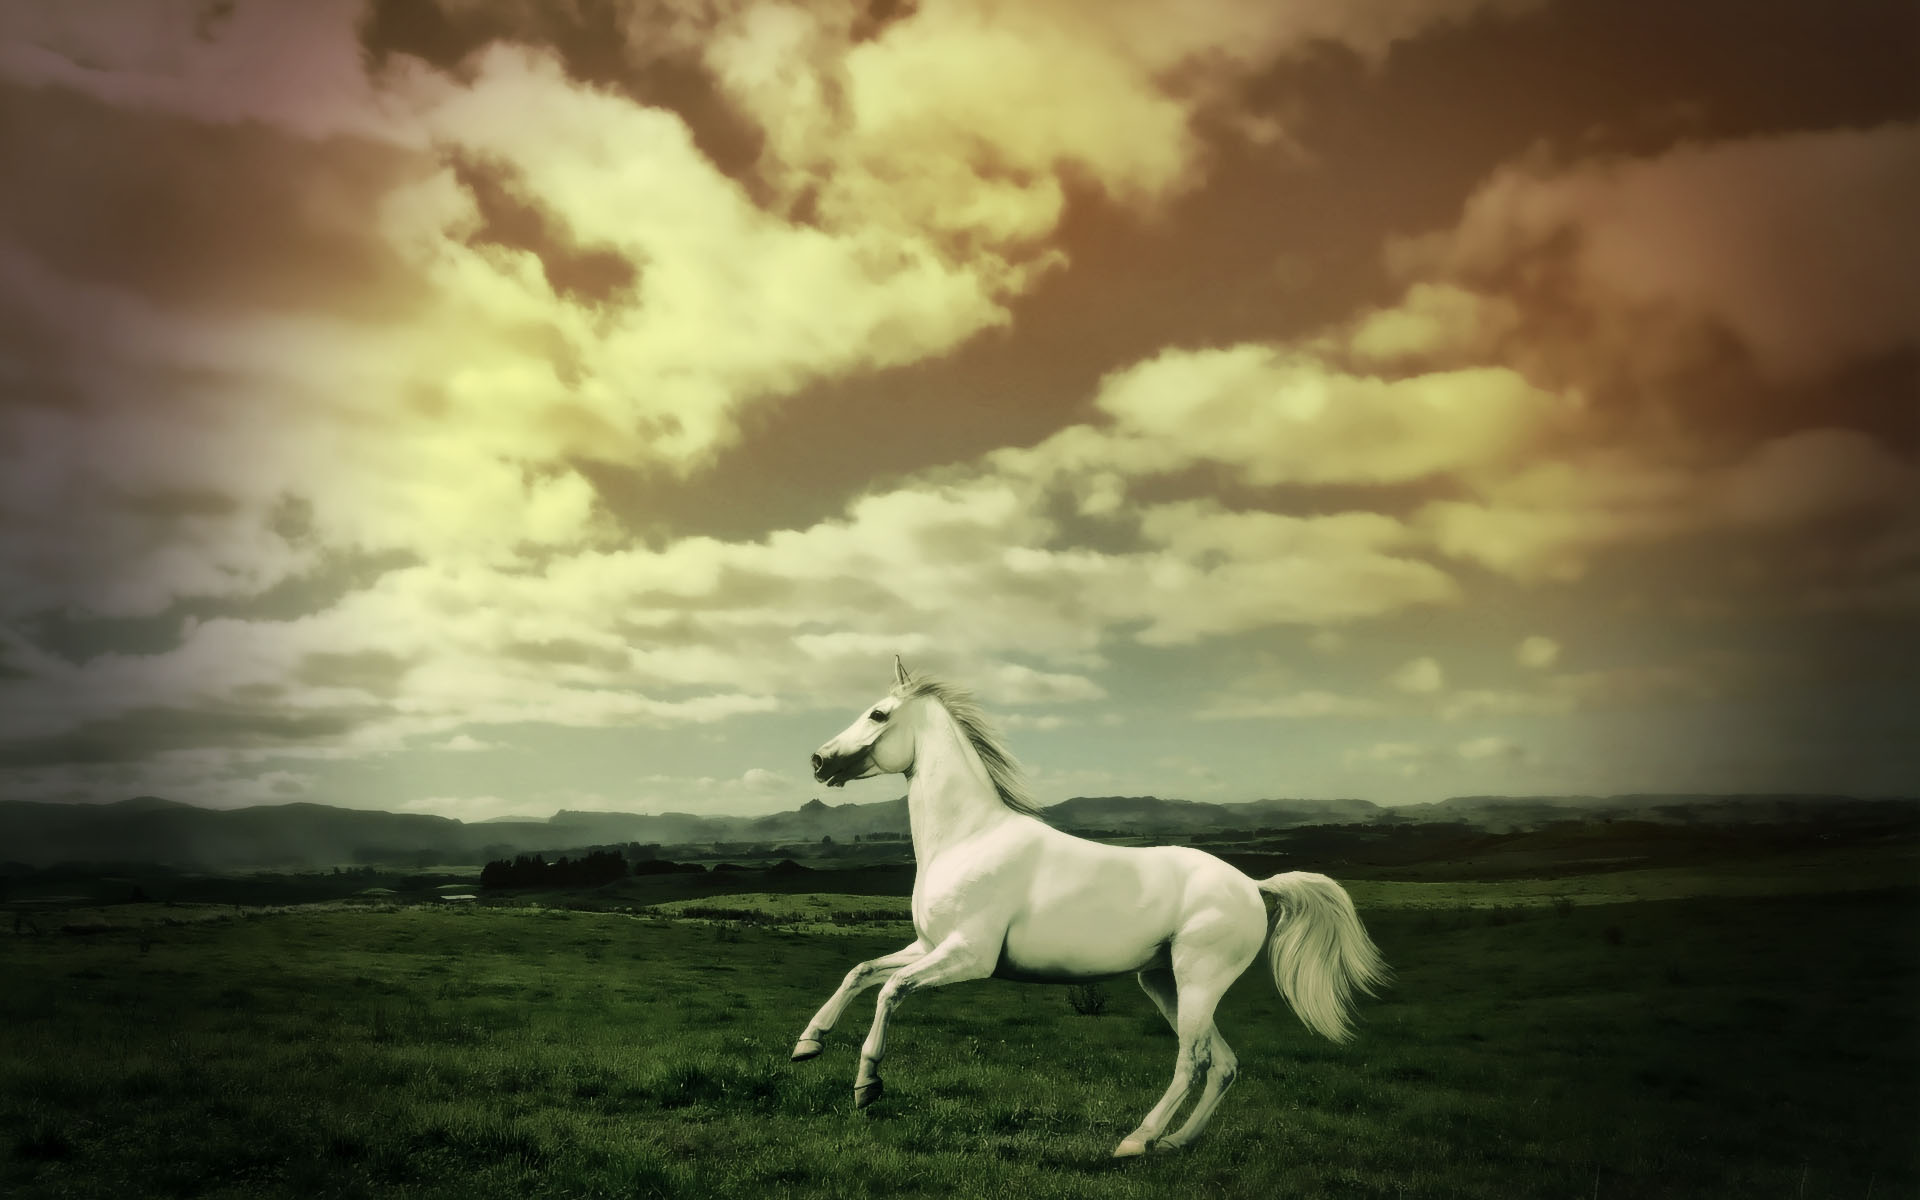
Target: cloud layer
{"x": 316, "y": 363}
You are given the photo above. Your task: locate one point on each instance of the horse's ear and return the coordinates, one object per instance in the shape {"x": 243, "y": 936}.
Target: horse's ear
{"x": 899, "y": 671}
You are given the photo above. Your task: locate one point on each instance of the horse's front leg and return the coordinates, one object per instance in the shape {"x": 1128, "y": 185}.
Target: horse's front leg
{"x": 862, "y": 977}
{"x": 955, "y": 960}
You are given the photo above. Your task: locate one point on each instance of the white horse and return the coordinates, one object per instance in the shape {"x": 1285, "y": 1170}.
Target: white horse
{"x": 1001, "y": 893}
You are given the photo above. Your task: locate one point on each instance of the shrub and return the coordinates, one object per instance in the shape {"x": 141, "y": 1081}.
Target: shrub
{"x": 1088, "y": 999}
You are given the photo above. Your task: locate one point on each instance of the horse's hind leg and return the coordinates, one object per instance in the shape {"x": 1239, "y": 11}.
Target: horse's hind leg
{"x": 1194, "y": 1016}
{"x": 1157, "y": 983}
{"x": 1222, "y": 1066}
{"x": 1208, "y": 955}
{"x": 862, "y": 977}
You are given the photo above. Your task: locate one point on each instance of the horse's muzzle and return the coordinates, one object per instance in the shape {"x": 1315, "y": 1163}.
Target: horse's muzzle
{"x": 835, "y": 770}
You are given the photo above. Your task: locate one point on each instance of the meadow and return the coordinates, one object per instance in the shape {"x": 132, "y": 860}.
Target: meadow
{"x": 1575, "y": 1039}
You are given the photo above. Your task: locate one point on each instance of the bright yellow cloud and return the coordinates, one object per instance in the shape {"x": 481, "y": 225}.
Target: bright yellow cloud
{"x": 1420, "y": 676}
{"x": 1435, "y": 320}
{"x": 1537, "y": 651}
{"x": 1281, "y": 416}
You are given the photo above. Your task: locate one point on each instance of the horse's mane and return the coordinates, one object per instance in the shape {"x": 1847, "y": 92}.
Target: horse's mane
{"x": 1003, "y": 770}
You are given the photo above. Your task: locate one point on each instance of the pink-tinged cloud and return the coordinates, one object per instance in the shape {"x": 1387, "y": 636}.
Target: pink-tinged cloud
{"x": 1803, "y": 247}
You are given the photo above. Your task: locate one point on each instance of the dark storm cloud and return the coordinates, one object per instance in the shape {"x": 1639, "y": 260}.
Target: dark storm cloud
{"x": 376, "y": 672}
{"x": 78, "y": 637}
{"x": 140, "y": 734}
{"x": 238, "y": 216}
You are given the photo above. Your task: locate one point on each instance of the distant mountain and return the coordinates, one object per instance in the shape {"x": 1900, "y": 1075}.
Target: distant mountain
{"x": 1151, "y": 814}
{"x": 808, "y": 823}
{"x": 306, "y": 836}
{"x": 1508, "y": 814}
{"x": 149, "y": 829}
{"x": 842, "y": 822}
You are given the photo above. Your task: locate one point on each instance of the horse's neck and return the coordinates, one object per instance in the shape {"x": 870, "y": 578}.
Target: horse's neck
{"x": 951, "y": 797}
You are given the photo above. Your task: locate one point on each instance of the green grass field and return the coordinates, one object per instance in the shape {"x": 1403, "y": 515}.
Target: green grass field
{"x": 1707, "y": 1046}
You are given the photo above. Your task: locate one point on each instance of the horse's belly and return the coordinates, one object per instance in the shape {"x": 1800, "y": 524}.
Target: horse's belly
{"x": 1062, "y": 946}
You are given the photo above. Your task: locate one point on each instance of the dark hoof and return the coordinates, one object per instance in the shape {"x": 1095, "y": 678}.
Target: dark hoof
{"x": 806, "y": 1048}
{"x": 865, "y": 1093}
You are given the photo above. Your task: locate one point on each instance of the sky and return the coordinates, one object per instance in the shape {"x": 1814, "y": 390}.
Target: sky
{"x": 488, "y": 409}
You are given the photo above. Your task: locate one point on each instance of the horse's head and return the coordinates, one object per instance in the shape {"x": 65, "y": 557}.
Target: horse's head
{"x": 877, "y": 743}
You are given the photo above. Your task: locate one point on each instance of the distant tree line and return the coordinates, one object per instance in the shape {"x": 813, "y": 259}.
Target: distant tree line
{"x": 660, "y": 866}
{"x": 530, "y": 870}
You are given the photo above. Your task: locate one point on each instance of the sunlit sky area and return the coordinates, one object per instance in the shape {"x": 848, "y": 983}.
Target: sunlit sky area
{"x": 487, "y": 409}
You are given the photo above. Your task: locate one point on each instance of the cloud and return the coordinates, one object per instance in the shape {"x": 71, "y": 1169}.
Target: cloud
{"x": 1013, "y": 683}
{"x": 755, "y": 790}
{"x": 1698, "y": 677}
{"x": 1641, "y": 685}
{"x": 1548, "y": 521}
{"x": 1467, "y": 703}
{"x": 759, "y": 779}
{"x": 449, "y": 429}
{"x": 932, "y": 126}
{"x": 1811, "y": 475}
{"x": 1690, "y": 313}
{"x": 1044, "y": 723}
{"x": 212, "y": 778}
{"x": 967, "y": 119}
{"x": 476, "y": 808}
{"x": 1309, "y": 704}
{"x": 1798, "y": 245}
{"x": 1418, "y": 676}
{"x": 733, "y": 304}
{"x": 1434, "y": 321}
{"x": 1220, "y": 572}
{"x": 1537, "y": 652}
{"x": 400, "y": 313}
{"x": 1491, "y": 746}
{"x": 698, "y": 630}
{"x": 1405, "y": 759}
{"x": 131, "y": 734}
{"x": 294, "y": 66}
{"x": 1280, "y": 415}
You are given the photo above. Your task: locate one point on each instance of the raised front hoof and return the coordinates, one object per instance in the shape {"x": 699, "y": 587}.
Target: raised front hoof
{"x": 866, "y": 1093}
{"x": 1129, "y": 1148}
{"x": 806, "y": 1048}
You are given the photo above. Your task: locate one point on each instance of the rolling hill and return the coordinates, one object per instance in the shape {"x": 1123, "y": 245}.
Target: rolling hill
{"x": 148, "y": 829}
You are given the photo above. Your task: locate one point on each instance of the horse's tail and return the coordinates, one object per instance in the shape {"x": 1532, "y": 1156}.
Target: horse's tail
{"x": 1320, "y": 952}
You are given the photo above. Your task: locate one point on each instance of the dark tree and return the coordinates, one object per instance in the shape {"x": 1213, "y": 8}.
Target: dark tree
{"x": 531, "y": 870}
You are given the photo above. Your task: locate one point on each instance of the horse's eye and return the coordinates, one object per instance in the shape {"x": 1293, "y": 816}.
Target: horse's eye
{"x": 877, "y": 715}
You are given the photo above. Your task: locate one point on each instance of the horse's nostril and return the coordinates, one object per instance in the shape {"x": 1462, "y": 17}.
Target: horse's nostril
{"x": 816, "y": 762}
